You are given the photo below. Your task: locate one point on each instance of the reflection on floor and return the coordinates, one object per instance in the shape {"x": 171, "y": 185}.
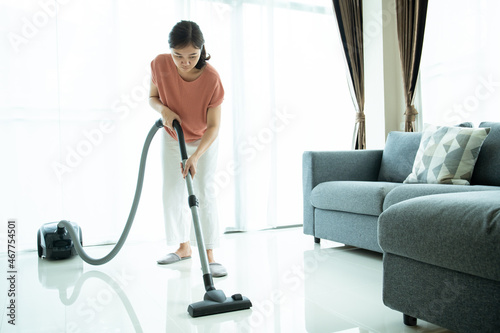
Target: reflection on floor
{"x": 294, "y": 285}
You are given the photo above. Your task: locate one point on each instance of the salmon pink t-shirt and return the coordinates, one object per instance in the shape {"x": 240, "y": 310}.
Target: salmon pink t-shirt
{"x": 190, "y": 100}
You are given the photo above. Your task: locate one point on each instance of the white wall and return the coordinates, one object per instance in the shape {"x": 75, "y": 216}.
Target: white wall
{"x": 384, "y": 100}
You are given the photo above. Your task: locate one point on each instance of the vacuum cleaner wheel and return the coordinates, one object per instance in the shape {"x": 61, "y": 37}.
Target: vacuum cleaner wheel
{"x": 39, "y": 242}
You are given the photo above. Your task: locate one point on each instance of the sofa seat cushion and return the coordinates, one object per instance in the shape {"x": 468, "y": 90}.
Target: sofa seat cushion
{"x": 457, "y": 231}
{"x": 410, "y": 191}
{"x": 352, "y": 196}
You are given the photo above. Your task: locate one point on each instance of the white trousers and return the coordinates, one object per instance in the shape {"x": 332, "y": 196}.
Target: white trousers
{"x": 177, "y": 214}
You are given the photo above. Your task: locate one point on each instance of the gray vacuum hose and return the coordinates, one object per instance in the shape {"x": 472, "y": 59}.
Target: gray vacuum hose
{"x": 75, "y": 237}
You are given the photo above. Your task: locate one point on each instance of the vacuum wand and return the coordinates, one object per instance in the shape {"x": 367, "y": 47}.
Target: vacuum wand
{"x": 193, "y": 205}
{"x": 214, "y": 301}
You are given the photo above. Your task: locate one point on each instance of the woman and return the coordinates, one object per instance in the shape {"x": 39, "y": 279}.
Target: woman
{"x": 186, "y": 88}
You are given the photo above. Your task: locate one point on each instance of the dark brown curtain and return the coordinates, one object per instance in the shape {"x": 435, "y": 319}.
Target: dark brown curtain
{"x": 349, "y": 15}
{"x": 411, "y": 15}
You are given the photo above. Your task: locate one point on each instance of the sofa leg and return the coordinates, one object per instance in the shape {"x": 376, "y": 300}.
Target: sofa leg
{"x": 409, "y": 320}
{"x": 317, "y": 240}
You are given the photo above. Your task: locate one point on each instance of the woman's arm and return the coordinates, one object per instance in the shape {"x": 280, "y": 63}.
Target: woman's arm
{"x": 213, "y": 125}
{"x": 167, "y": 115}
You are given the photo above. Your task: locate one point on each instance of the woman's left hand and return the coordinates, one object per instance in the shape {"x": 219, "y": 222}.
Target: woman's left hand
{"x": 191, "y": 165}
{"x": 213, "y": 123}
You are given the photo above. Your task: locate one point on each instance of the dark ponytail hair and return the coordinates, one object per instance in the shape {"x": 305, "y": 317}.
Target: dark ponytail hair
{"x": 187, "y": 33}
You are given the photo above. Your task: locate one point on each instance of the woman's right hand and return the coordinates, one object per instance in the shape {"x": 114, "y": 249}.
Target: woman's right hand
{"x": 168, "y": 117}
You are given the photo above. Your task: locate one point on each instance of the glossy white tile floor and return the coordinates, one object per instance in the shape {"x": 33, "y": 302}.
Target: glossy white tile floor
{"x": 294, "y": 284}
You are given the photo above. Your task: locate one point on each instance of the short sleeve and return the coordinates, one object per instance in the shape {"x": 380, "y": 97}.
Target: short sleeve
{"x": 154, "y": 67}
{"x": 218, "y": 95}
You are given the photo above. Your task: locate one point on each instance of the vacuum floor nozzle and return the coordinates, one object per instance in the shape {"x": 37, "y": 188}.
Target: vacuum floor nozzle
{"x": 210, "y": 307}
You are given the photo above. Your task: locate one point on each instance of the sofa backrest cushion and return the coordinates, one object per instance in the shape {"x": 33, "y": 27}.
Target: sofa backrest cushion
{"x": 398, "y": 156}
{"x": 487, "y": 168}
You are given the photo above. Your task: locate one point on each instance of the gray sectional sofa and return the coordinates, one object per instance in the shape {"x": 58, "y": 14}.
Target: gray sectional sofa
{"x": 441, "y": 242}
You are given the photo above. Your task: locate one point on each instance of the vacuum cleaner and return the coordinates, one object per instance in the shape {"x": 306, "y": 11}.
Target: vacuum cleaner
{"x": 55, "y": 242}
{"x": 63, "y": 239}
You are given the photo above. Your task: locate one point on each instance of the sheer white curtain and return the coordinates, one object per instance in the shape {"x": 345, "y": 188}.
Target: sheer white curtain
{"x": 74, "y": 113}
{"x": 287, "y": 92}
{"x": 460, "y": 71}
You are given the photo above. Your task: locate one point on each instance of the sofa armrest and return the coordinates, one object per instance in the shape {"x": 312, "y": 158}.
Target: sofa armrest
{"x": 322, "y": 166}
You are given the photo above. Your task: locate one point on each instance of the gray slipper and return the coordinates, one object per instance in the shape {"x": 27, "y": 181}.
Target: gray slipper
{"x": 170, "y": 259}
{"x": 217, "y": 270}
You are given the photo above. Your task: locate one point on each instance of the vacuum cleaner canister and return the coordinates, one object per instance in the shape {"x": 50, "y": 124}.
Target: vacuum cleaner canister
{"x": 55, "y": 242}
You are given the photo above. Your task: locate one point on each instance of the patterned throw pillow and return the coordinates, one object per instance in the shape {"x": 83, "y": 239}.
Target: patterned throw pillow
{"x": 447, "y": 155}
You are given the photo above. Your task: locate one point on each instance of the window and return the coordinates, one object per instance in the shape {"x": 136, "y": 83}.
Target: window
{"x": 460, "y": 73}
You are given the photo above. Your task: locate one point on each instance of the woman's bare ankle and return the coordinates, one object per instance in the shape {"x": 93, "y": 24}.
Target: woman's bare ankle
{"x": 210, "y": 256}
{"x": 184, "y": 250}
